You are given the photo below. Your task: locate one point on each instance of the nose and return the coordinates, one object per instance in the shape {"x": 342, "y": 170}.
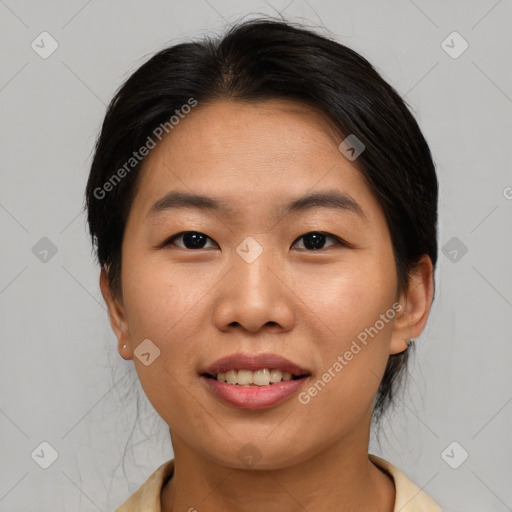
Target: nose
{"x": 255, "y": 296}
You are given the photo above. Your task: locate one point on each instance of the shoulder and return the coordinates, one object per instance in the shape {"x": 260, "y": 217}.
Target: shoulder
{"x": 147, "y": 497}
{"x": 409, "y": 497}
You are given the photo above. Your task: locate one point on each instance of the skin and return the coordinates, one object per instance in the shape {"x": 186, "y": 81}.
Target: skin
{"x": 197, "y": 305}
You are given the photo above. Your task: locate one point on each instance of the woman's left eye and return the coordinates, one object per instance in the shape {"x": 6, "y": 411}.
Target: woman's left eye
{"x": 316, "y": 240}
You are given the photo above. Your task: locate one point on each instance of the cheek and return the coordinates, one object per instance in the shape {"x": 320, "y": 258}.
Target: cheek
{"x": 159, "y": 306}
{"x": 165, "y": 304}
{"x": 155, "y": 297}
{"x": 357, "y": 315}
{"x": 348, "y": 299}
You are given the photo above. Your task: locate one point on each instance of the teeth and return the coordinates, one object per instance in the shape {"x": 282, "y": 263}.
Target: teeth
{"x": 259, "y": 377}
{"x": 262, "y": 377}
{"x": 276, "y": 375}
{"x": 244, "y": 377}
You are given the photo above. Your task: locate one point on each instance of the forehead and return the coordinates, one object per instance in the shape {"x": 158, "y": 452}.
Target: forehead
{"x": 248, "y": 152}
{"x": 247, "y": 136}
{"x": 243, "y": 117}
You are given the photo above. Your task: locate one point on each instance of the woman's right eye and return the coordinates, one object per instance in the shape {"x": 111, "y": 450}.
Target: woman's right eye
{"x": 191, "y": 240}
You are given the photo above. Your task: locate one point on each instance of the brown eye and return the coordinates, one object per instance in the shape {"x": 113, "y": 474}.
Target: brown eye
{"x": 190, "y": 240}
{"x": 315, "y": 240}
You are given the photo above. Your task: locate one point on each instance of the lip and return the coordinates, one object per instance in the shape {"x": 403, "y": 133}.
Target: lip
{"x": 254, "y": 362}
{"x": 254, "y": 397}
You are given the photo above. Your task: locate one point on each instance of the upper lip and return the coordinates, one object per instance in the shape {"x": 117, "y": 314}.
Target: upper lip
{"x": 254, "y": 362}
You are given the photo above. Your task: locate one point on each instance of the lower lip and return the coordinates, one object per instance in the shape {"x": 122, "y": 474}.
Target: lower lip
{"x": 254, "y": 397}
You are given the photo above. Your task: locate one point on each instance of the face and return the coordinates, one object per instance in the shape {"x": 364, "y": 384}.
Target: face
{"x": 257, "y": 278}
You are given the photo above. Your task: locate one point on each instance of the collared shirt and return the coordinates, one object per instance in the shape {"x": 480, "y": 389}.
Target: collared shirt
{"x": 408, "y": 496}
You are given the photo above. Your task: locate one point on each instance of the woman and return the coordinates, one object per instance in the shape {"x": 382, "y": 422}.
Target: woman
{"x": 264, "y": 209}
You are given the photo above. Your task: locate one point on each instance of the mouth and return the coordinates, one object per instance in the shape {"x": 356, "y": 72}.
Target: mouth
{"x": 254, "y": 370}
{"x": 254, "y": 381}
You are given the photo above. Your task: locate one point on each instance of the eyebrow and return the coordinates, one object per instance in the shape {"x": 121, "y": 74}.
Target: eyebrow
{"x": 332, "y": 199}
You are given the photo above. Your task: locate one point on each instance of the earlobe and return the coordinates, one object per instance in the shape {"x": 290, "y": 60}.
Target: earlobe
{"x": 415, "y": 306}
{"x": 117, "y": 316}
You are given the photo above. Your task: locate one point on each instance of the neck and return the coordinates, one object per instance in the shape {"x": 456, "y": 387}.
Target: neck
{"x": 338, "y": 478}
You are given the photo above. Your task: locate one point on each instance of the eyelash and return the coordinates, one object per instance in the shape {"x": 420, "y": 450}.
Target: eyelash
{"x": 338, "y": 241}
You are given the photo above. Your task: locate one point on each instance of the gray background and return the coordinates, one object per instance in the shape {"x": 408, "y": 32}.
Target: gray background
{"x": 61, "y": 378}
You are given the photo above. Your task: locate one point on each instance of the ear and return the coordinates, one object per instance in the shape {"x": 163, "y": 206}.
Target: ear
{"x": 415, "y": 305}
{"x": 117, "y": 316}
